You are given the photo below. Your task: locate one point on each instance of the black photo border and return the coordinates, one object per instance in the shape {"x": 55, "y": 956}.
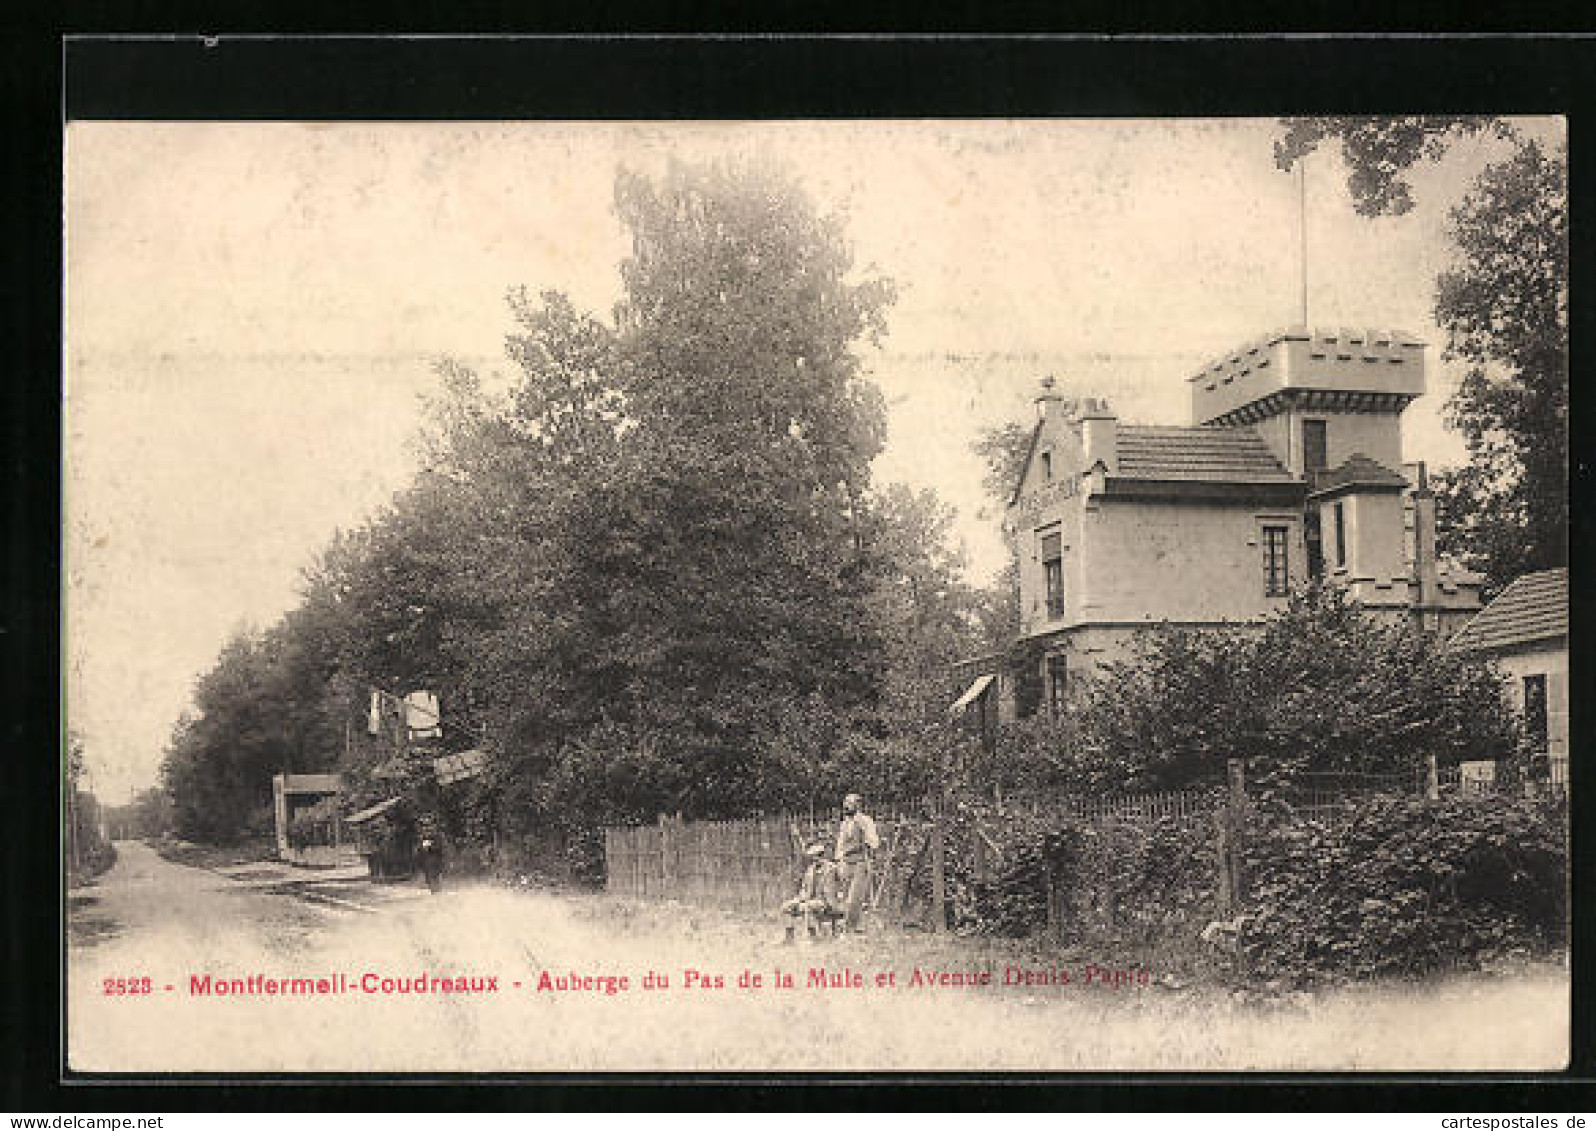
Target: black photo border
{"x": 105, "y": 71}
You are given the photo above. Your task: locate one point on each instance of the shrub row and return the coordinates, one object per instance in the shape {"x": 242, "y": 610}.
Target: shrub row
{"x": 1404, "y": 887}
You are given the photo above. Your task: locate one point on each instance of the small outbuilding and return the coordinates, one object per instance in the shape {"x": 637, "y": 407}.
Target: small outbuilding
{"x": 1525, "y": 631}
{"x": 305, "y": 811}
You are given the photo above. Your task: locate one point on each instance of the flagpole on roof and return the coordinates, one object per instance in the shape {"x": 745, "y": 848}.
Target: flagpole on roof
{"x": 1302, "y": 230}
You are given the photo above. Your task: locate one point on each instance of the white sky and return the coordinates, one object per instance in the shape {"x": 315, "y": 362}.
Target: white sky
{"x": 254, "y": 309}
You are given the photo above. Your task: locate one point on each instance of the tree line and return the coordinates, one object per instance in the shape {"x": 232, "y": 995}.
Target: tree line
{"x": 650, "y": 569}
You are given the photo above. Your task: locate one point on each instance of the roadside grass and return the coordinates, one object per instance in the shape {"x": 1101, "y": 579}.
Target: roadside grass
{"x": 1172, "y": 961}
{"x": 250, "y": 851}
{"x": 97, "y": 863}
{"x": 835, "y": 1016}
{"x": 1193, "y": 1011}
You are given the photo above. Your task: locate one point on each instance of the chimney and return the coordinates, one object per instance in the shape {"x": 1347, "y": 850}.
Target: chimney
{"x": 1099, "y": 433}
{"x": 1048, "y": 396}
{"x": 1425, "y": 569}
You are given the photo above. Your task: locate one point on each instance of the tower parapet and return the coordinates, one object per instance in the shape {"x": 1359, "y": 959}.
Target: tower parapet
{"x": 1344, "y": 370}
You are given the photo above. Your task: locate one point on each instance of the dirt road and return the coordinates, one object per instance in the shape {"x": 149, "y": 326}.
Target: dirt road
{"x": 557, "y": 1002}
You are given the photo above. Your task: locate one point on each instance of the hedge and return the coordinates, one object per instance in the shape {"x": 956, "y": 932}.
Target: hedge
{"x": 1405, "y": 887}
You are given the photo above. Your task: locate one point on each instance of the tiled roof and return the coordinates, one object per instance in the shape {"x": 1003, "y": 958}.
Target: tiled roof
{"x": 1163, "y": 452}
{"x": 1534, "y": 607}
{"x": 1358, "y": 470}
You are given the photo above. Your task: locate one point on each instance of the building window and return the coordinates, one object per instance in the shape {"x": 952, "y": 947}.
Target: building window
{"x": 1341, "y": 538}
{"x": 1053, "y": 571}
{"x": 1535, "y": 729}
{"x": 1058, "y": 685}
{"x": 1277, "y": 578}
{"x": 1315, "y": 450}
{"x": 1047, "y": 467}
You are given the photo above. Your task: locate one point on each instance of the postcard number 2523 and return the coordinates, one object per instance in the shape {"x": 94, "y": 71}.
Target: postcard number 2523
{"x": 118, "y": 986}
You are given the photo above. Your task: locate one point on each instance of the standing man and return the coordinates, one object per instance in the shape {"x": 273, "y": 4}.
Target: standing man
{"x": 431, "y": 853}
{"x": 857, "y": 842}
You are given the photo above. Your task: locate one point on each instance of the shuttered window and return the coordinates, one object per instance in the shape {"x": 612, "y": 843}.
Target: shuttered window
{"x": 1053, "y": 571}
{"x": 1314, "y": 446}
{"x": 1277, "y": 577}
{"x": 1058, "y": 685}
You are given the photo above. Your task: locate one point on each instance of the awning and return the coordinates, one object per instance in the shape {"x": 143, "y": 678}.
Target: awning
{"x": 971, "y": 693}
{"x": 372, "y": 811}
{"x": 458, "y": 767}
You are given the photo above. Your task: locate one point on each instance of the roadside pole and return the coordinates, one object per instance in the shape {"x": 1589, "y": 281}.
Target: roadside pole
{"x": 939, "y": 888}
{"x": 72, "y": 826}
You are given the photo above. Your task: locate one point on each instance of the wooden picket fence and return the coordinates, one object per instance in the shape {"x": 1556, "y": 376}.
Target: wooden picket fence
{"x": 1180, "y": 805}
{"x": 756, "y": 864}
{"x": 751, "y": 865}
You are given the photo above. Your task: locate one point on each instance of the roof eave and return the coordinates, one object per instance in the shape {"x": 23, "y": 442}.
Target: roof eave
{"x": 1230, "y": 490}
{"x": 1508, "y": 645}
{"x": 1348, "y": 488}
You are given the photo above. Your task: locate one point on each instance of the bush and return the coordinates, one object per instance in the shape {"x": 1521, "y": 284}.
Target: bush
{"x": 314, "y": 824}
{"x": 95, "y": 859}
{"x": 1318, "y": 687}
{"x": 584, "y": 855}
{"x": 1013, "y": 904}
{"x": 1129, "y": 878}
{"x": 1132, "y": 878}
{"x": 1011, "y": 901}
{"x": 1405, "y": 887}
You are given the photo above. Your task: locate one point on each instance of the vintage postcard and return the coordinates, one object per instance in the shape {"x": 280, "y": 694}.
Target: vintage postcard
{"x": 895, "y": 595}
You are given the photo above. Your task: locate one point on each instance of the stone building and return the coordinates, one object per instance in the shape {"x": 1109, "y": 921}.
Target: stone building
{"x": 1291, "y": 470}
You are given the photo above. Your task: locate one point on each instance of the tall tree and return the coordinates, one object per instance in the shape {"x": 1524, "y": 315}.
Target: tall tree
{"x": 733, "y": 529}
{"x": 1504, "y": 308}
{"x": 925, "y": 614}
{"x": 650, "y": 548}
{"x": 220, "y": 760}
{"x": 1003, "y": 450}
{"x": 743, "y": 319}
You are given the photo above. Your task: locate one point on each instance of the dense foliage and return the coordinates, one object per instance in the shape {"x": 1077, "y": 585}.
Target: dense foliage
{"x": 260, "y": 711}
{"x": 87, "y": 852}
{"x": 648, "y": 571}
{"x": 1379, "y": 151}
{"x": 1319, "y": 687}
{"x": 1405, "y": 887}
{"x": 1505, "y": 309}
{"x": 1133, "y": 879}
{"x": 1130, "y": 878}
